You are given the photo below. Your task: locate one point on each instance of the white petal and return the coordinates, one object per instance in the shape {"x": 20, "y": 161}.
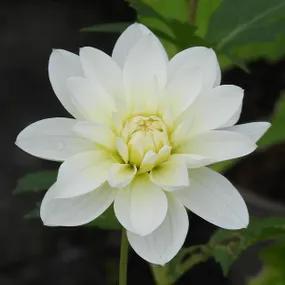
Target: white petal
{"x": 163, "y": 154}
{"x": 144, "y": 98}
{"x": 218, "y": 145}
{"x": 98, "y": 66}
{"x": 52, "y": 139}
{"x": 82, "y": 173}
{"x": 77, "y": 210}
{"x": 163, "y": 244}
{"x": 182, "y": 89}
{"x": 170, "y": 174}
{"x": 212, "y": 197}
{"x": 203, "y": 60}
{"x": 62, "y": 65}
{"x": 216, "y": 108}
{"x": 141, "y": 207}
{"x": 234, "y": 119}
{"x": 145, "y": 63}
{"x": 193, "y": 160}
{"x": 127, "y": 40}
{"x": 91, "y": 99}
{"x": 254, "y": 131}
{"x": 121, "y": 175}
{"x": 98, "y": 133}
{"x": 122, "y": 149}
{"x": 148, "y": 161}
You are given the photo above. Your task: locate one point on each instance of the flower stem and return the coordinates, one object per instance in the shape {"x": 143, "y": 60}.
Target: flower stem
{"x": 193, "y": 5}
{"x": 123, "y": 259}
{"x": 160, "y": 275}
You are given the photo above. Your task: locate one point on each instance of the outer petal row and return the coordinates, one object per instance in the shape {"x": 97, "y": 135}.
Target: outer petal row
{"x": 53, "y": 139}
{"x": 75, "y": 211}
{"x": 218, "y": 145}
{"x": 163, "y": 244}
{"x": 141, "y": 207}
{"x": 212, "y": 197}
{"x": 62, "y": 65}
{"x": 83, "y": 173}
{"x": 155, "y": 234}
{"x": 201, "y": 59}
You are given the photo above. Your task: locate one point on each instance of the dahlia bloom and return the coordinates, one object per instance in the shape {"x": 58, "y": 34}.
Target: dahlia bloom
{"x": 145, "y": 129}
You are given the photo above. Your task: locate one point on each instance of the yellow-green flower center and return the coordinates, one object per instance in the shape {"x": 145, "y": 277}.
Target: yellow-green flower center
{"x": 143, "y": 134}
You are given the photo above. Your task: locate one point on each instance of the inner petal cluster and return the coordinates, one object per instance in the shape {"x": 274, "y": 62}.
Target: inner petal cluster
{"x": 144, "y": 135}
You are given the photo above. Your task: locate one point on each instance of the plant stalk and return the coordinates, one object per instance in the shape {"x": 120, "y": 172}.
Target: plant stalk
{"x": 123, "y": 270}
{"x": 193, "y": 5}
{"x": 160, "y": 275}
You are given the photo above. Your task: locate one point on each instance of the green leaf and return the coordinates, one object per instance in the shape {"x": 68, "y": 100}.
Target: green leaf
{"x": 33, "y": 214}
{"x": 171, "y": 27}
{"x": 272, "y": 51}
{"x": 35, "y": 182}
{"x": 117, "y": 27}
{"x": 246, "y": 21}
{"x": 205, "y": 10}
{"x": 106, "y": 221}
{"x": 276, "y": 133}
{"x": 42, "y": 180}
{"x": 273, "y": 272}
{"x": 225, "y": 246}
{"x": 170, "y": 9}
{"x": 245, "y": 30}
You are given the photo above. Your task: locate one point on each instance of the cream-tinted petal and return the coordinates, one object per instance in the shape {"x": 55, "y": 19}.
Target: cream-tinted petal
{"x": 163, "y": 244}
{"x": 91, "y": 99}
{"x": 181, "y": 90}
{"x": 145, "y": 64}
{"x": 77, "y": 210}
{"x": 53, "y": 139}
{"x": 216, "y": 108}
{"x": 97, "y": 133}
{"x": 203, "y": 60}
{"x": 141, "y": 207}
{"x": 148, "y": 162}
{"x": 171, "y": 174}
{"x": 62, "y": 65}
{"x": 120, "y": 175}
{"x": 212, "y": 197}
{"x": 193, "y": 160}
{"x": 218, "y": 145}
{"x": 127, "y": 40}
{"x": 122, "y": 149}
{"x": 254, "y": 131}
{"x": 100, "y": 67}
{"x": 83, "y": 173}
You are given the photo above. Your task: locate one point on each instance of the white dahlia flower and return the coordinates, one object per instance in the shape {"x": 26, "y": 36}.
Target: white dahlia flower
{"x": 145, "y": 129}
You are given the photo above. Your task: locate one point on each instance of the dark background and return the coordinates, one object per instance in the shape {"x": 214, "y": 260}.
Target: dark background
{"x": 33, "y": 254}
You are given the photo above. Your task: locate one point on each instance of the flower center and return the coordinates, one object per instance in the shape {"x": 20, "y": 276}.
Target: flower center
{"x": 143, "y": 134}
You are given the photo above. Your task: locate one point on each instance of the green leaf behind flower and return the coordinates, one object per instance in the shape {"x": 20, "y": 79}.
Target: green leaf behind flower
{"x": 117, "y": 27}
{"x": 42, "y": 180}
{"x": 276, "y": 133}
{"x": 225, "y": 246}
{"x": 273, "y": 272}
{"x": 241, "y": 22}
{"x": 35, "y": 182}
{"x": 248, "y": 29}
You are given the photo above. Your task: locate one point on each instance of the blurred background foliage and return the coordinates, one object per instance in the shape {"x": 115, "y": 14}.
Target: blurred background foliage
{"x": 240, "y": 32}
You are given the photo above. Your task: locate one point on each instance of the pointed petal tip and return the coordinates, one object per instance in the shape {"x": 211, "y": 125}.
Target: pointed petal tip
{"x": 266, "y": 125}
{"x": 57, "y": 52}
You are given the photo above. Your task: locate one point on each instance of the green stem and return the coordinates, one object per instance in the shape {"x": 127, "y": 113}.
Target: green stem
{"x": 160, "y": 275}
{"x": 193, "y": 5}
{"x": 123, "y": 259}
